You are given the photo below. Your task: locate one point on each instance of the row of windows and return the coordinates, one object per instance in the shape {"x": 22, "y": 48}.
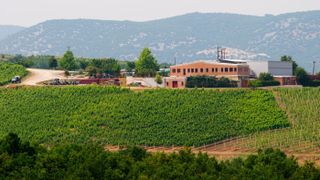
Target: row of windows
{"x": 201, "y": 70}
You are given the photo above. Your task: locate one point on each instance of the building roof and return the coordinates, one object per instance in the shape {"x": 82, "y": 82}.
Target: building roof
{"x": 207, "y": 62}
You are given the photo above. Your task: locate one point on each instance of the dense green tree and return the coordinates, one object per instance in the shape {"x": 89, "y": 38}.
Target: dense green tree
{"x": 302, "y": 76}
{"x": 19, "y": 160}
{"x": 19, "y": 59}
{"x": 83, "y": 63}
{"x": 146, "y": 65}
{"x": 92, "y": 71}
{"x": 130, "y": 66}
{"x": 53, "y": 62}
{"x": 286, "y": 58}
{"x": 109, "y": 66}
{"x": 68, "y": 62}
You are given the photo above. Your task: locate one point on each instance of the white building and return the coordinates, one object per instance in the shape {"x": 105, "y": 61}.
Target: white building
{"x": 275, "y": 68}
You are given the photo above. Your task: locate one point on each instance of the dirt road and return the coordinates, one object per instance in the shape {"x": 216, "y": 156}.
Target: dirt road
{"x": 38, "y": 75}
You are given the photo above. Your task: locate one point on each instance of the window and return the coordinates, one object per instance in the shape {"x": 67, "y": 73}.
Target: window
{"x": 231, "y": 69}
{"x": 221, "y": 69}
{"x": 189, "y": 70}
{"x": 235, "y": 69}
{"x": 182, "y": 83}
{"x": 178, "y": 71}
{"x": 192, "y": 70}
{"x": 184, "y": 71}
{"x": 196, "y": 70}
{"x": 167, "y": 84}
{"x": 173, "y": 70}
{"x": 212, "y": 70}
{"x": 226, "y": 69}
{"x": 216, "y": 69}
{"x": 201, "y": 70}
{"x": 207, "y": 70}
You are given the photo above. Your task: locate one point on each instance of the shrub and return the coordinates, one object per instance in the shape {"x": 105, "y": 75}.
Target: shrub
{"x": 265, "y": 77}
{"x": 209, "y": 82}
{"x": 158, "y": 79}
{"x": 259, "y": 83}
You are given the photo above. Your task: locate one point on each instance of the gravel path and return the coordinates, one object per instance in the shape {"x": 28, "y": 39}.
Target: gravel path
{"x": 38, "y": 75}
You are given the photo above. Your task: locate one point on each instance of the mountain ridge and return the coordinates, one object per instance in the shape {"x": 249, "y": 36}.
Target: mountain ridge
{"x": 185, "y": 37}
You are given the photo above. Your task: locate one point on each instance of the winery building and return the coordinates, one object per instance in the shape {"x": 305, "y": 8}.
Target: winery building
{"x": 239, "y": 72}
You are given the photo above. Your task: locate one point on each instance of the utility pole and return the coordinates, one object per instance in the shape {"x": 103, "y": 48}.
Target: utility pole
{"x": 219, "y": 53}
{"x": 314, "y": 67}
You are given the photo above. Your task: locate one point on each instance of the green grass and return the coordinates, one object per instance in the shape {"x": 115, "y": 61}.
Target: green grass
{"x": 51, "y": 115}
{"x": 8, "y": 71}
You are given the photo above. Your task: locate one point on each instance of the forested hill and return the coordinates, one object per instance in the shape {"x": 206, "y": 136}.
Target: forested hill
{"x": 186, "y": 37}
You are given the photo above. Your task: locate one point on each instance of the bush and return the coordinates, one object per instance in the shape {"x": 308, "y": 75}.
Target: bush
{"x": 314, "y": 83}
{"x": 158, "y": 79}
{"x": 209, "y": 82}
{"x": 265, "y": 77}
{"x": 259, "y": 83}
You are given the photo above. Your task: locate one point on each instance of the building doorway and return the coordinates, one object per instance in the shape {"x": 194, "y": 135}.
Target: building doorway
{"x": 174, "y": 84}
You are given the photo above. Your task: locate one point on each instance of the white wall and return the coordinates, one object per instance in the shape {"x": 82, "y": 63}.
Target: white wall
{"x": 147, "y": 82}
{"x": 275, "y": 68}
{"x": 278, "y": 68}
{"x": 257, "y": 67}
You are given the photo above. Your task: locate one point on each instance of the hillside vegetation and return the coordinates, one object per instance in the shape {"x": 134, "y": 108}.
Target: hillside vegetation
{"x": 8, "y": 71}
{"x": 119, "y": 116}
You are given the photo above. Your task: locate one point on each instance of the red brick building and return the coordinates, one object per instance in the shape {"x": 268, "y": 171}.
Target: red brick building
{"x": 286, "y": 80}
{"x": 179, "y": 73}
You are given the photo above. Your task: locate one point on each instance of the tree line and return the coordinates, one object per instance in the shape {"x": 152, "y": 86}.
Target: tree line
{"x": 146, "y": 65}
{"x": 22, "y": 160}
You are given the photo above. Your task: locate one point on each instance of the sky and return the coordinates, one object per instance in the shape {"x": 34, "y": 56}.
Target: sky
{"x": 31, "y": 12}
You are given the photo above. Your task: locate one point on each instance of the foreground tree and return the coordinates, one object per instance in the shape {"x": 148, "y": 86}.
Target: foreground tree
{"x": 68, "y": 62}
{"x": 147, "y": 65}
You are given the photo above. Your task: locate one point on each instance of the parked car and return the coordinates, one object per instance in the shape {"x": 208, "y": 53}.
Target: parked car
{"x": 16, "y": 79}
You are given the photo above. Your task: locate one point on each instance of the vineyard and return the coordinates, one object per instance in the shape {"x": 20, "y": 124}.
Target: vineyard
{"x": 303, "y": 136}
{"x": 51, "y": 115}
{"x": 8, "y": 71}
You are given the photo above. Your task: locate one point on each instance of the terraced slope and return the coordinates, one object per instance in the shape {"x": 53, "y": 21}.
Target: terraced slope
{"x": 115, "y": 116}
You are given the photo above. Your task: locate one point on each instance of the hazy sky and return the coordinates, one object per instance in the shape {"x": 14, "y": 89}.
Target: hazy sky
{"x": 30, "y": 12}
